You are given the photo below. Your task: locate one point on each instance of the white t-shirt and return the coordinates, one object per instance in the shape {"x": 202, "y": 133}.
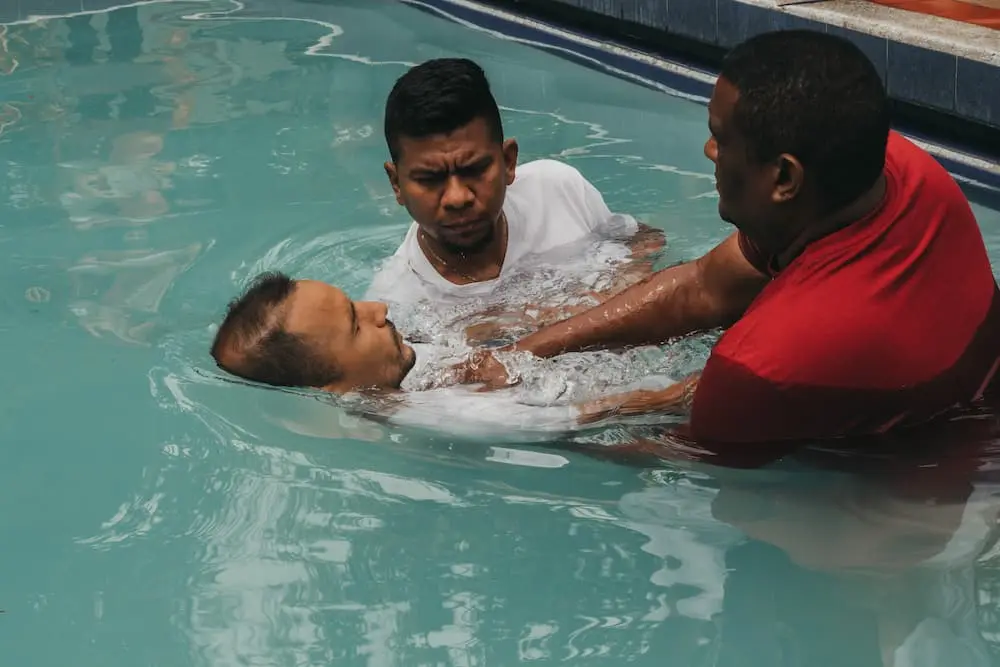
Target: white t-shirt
{"x": 549, "y": 205}
{"x": 542, "y": 406}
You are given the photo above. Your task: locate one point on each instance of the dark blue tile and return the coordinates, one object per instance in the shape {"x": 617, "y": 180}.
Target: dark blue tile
{"x": 977, "y": 91}
{"x": 738, "y": 22}
{"x": 876, "y": 48}
{"x": 652, "y": 13}
{"x": 611, "y": 8}
{"x": 784, "y": 21}
{"x": 921, "y": 76}
{"x": 584, "y": 55}
{"x": 697, "y": 19}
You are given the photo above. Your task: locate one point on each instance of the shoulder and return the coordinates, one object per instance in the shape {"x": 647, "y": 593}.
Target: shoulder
{"x": 389, "y": 274}
{"x": 396, "y": 279}
{"x": 547, "y": 167}
{"x": 559, "y": 187}
{"x": 546, "y": 172}
{"x": 919, "y": 172}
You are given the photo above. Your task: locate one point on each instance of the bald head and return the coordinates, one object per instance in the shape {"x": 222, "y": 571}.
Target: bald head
{"x": 306, "y": 333}
{"x": 255, "y": 343}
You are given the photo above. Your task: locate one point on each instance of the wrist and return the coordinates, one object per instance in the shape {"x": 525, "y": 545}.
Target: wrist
{"x": 676, "y": 398}
{"x": 540, "y": 344}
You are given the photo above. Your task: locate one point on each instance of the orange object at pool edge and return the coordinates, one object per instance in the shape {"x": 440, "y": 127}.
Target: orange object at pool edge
{"x": 985, "y": 13}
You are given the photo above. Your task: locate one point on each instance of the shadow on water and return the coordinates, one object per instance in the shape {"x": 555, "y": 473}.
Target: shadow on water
{"x": 891, "y": 540}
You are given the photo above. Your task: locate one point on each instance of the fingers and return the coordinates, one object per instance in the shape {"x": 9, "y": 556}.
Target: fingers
{"x": 481, "y": 368}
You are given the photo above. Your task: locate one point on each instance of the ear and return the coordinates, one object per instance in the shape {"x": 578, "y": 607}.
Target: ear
{"x": 510, "y": 150}
{"x": 789, "y": 178}
{"x": 393, "y": 174}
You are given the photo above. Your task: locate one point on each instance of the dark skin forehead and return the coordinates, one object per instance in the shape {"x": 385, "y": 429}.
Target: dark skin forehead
{"x": 441, "y": 153}
{"x": 721, "y": 108}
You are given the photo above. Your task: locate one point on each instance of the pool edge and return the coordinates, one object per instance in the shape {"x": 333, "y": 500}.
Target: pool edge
{"x": 672, "y": 76}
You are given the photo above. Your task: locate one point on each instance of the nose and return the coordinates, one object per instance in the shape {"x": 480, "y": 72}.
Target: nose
{"x": 711, "y": 149}
{"x": 376, "y": 311}
{"x": 457, "y": 194}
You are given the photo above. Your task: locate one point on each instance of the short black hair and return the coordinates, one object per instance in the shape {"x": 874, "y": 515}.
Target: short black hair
{"x": 438, "y": 97}
{"x": 252, "y": 342}
{"x": 815, "y": 96}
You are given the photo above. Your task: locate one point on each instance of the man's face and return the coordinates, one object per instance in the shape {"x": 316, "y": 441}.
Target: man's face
{"x": 453, "y": 185}
{"x": 747, "y": 190}
{"x": 355, "y": 336}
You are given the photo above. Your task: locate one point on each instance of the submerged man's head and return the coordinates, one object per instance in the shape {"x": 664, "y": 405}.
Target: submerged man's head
{"x": 306, "y": 333}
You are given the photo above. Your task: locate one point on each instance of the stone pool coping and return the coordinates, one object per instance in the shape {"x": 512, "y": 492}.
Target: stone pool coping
{"x": 980, "y": 171}
{"x": 964, "y": 40}
{"x": 943, "y": 65}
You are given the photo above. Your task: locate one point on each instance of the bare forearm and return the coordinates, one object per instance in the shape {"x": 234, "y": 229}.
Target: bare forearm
{"x": 660, "y": 307}
{"x": 675, "y": 399}
{"x": 710, "y": 292}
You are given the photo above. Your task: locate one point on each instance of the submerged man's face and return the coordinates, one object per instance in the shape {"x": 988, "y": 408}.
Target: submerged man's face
{"x": 356, "y": 337}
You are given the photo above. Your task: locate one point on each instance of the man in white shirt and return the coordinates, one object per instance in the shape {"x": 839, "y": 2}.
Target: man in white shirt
{"x": 475, "y": 222}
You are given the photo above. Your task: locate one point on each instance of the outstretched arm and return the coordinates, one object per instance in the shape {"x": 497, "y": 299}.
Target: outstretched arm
{"x": 675, "y": 399}
{"x": 712, "y": 291}
{"x": 644, "y": 245}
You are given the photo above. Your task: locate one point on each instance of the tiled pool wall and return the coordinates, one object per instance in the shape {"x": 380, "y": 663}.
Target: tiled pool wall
{"x": 964, "y": 87}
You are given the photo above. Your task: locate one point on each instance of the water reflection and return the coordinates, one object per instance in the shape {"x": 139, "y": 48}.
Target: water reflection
{"x": 128, "y": 187}
{"x": 119, "y": 293}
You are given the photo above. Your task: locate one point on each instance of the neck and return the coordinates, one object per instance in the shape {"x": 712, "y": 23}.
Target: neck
{"x": 462, "y": 267}
{"x": 833, "y": 222}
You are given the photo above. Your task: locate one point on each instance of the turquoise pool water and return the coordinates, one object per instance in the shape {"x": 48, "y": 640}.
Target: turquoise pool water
{"x": 156, "y": 157}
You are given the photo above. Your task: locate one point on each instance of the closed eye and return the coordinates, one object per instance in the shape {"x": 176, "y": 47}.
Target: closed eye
{"x": 429, "y": 177}
{"x": 476, "y": 168}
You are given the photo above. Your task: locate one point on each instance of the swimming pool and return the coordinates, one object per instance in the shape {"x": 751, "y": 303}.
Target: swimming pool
{"x": 158, "y": 156}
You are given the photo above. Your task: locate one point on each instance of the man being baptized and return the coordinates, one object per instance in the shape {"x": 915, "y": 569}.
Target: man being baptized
{"x": 305, "y": 333}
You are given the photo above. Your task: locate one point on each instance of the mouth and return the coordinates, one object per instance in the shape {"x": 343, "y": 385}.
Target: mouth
{"x": 465, "y": 227}
{"x": 396, "y": 336}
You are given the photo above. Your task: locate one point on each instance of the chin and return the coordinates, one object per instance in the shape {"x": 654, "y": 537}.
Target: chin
{"x": 469, "y": 246}
{"x": 409, "y": 359}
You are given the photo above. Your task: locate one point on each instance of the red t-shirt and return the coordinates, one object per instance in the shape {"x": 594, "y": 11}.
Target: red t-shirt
{"x": 888, "y": 321}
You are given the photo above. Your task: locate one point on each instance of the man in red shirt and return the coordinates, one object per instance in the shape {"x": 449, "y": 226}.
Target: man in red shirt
{"x": 856, "y": 287}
